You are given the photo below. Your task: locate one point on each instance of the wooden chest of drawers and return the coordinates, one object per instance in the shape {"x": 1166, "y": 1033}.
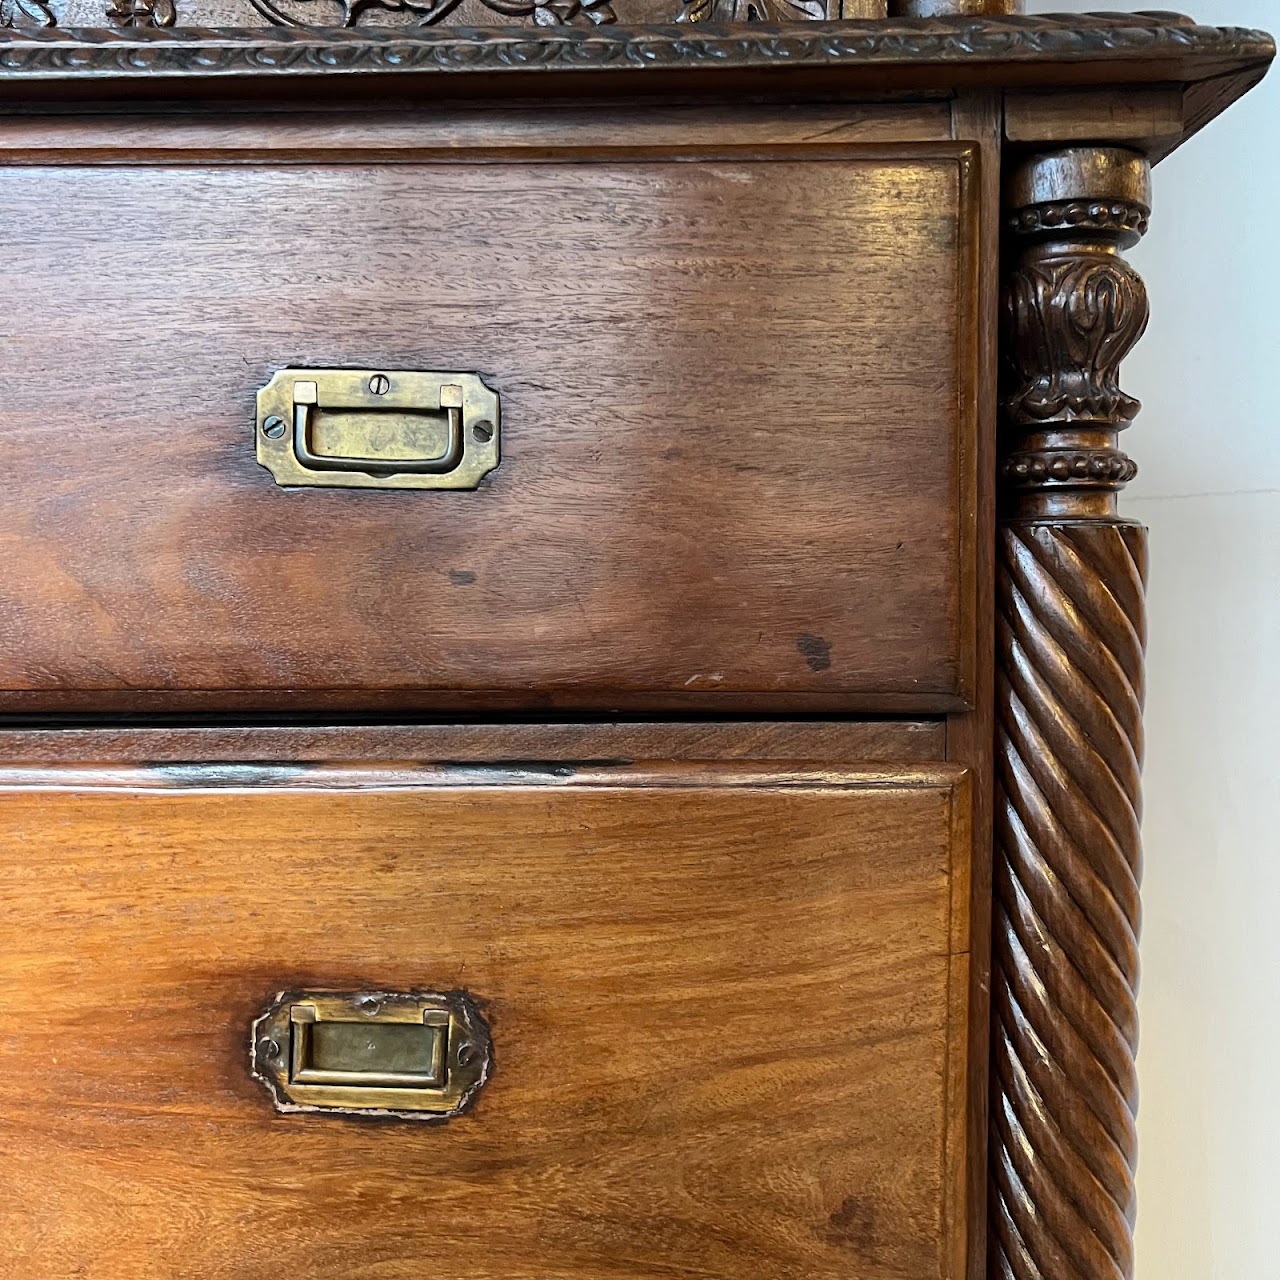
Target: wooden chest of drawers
{"x": 562, "y": 717}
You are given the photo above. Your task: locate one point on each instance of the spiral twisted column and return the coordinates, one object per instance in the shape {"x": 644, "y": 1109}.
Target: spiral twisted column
{"x": 1070, "y": 635}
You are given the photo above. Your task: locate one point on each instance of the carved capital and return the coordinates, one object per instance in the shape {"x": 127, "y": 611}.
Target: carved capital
{"x": 1074, "y": 308}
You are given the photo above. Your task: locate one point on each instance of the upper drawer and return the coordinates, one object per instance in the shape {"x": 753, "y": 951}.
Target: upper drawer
{"x": 736, "y": 430}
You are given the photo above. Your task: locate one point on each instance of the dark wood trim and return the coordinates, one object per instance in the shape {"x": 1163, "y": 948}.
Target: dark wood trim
{"x": 421, "y": 703}
{"x": 390, "y": 776}
{"x": 876, "y": 741}
{"x": 976, "y": 119}
{"x": 865, "y": 58}
{"x": 441, "y": 132}
{"x": 1158, "y": 41}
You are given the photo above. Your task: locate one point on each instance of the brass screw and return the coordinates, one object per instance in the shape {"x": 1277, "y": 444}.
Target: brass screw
{"x": 483, "y": 431}
{"x": 270, "y": 1050}
{"x": 379, "y": 384}
{"x": 273, "y": 428}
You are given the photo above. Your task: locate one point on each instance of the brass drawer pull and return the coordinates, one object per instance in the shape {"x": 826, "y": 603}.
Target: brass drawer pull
{"x": 306, "y": 395}
{"x": 410, "y": 1054}
{"x": 358, "y": 428}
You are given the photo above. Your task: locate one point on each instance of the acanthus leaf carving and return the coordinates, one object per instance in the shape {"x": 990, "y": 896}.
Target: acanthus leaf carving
{"x": 1073, "y": 316}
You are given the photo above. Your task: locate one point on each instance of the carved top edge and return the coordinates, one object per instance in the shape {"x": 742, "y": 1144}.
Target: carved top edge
{"x": 1150, "y": 41}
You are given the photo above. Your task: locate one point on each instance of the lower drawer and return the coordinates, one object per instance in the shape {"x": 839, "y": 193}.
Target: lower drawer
{"x": 726, "y": 1002}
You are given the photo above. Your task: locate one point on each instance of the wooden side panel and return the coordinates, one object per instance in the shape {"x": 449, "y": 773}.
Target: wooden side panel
{"x": 722, "y": 1003}
{"x": 735, "y": 390}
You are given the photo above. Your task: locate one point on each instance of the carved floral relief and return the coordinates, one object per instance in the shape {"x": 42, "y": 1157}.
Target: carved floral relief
{"x": 425, "y": 13}
{"x": 26, "y": 13}
{"x": 322, "y": 14}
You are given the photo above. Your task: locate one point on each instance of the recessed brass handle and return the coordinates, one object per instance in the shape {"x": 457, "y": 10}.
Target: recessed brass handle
{"x": 411, "y": 1054}
{"x": 306, "y": 395}
{"x": 360, "y": 428}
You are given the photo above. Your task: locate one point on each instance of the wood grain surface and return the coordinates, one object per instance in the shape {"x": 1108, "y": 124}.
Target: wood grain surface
{"x": 733, "y": 392}
{"x": 978, "y": 116}
{"x": 721, "y": 1003}
{"x": 412, "y": 132}
{"x": 831, "y": 740}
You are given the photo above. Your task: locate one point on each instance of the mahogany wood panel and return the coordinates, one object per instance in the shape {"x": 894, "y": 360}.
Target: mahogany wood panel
{"x": 735, "y": 388}
{"x": 441, "y": 130}
{"x": 1151, "y": 120}
{"x": 728, "y": 1011}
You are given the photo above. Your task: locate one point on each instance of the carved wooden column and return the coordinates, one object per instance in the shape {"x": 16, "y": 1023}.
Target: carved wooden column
{"x": 1070, "y": 636}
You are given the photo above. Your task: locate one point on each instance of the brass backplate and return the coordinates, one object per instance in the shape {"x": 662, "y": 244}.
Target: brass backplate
{"x": 417, "y": 1055}
{"x": 378, "y": 429}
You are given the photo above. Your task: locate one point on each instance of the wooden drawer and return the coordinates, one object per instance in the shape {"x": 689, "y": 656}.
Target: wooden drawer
{"x": 727, "y": 1005}
{"x": 737, "y": 399}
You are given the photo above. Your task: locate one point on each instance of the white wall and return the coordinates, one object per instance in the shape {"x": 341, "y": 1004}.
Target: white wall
{"x": 1208, "y": 445}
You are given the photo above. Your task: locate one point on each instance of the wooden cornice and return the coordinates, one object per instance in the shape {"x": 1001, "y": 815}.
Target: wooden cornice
{"x": 862, "y": 59}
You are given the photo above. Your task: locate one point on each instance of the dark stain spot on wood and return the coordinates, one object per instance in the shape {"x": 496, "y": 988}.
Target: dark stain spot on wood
{"x": 461, "y": 577}
{"x": 815, "y": 650}
{"x": 854, "y": 1224}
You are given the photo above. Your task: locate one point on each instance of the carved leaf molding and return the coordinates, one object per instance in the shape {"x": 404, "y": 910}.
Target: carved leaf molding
{"x": 1071, "y": 320}
{"x": 543, "y": 13}
{"x": 202, "y": 52}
